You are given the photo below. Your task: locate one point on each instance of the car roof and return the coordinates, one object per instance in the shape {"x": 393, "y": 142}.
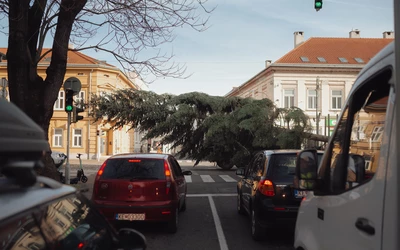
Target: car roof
{"x": 286, "y": 151}
{"x": 17, "y": 200}
{"x": 140, "y": 155}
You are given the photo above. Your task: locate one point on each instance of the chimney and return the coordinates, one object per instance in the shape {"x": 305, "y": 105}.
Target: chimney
{"x": 70, "y": 46}
{"x": 298, "y": 38}
{"x": 268, "y": 63}
{"x": 388, "y": 34}
{"x": 354, "y": 34}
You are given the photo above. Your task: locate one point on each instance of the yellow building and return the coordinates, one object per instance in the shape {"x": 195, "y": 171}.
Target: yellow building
{"x": 86, "y": 137}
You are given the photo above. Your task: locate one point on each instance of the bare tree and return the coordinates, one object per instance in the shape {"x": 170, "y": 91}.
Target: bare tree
{"x": 123, "y": 28}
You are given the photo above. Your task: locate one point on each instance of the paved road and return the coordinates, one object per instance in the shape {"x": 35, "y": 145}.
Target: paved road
{"x": 211, "y": 220}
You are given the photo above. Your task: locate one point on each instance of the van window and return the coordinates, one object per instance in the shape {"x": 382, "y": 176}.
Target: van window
{"x": 135, "y": 168}
{"x": 359, "y": 133}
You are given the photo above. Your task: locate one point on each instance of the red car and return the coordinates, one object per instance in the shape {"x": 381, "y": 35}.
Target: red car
{"x": 141, "y": 187}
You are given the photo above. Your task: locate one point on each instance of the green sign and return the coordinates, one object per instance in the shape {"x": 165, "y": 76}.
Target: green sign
{"x": 331, "y": 122}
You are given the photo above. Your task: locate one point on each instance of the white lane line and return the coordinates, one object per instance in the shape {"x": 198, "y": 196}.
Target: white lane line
{"x": 227, "y": 178}
{"x": 206, "y": 178}
{"x": 188, "y": 178}
{"x": 207, "y": 195}
{"x": 218, "y": 226}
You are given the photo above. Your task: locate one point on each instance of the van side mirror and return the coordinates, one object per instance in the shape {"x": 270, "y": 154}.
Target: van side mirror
{"x": 356, "y": 168}
{"x": 240, "y": 171}
{"x": 131, "y": 239}
{"x": 306, "y": 170}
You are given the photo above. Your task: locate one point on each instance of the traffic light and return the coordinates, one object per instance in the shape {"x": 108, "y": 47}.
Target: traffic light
{"x": 69, "y": 100}
{"x": 318, "y": 4}
{"x": 76, "y": 117}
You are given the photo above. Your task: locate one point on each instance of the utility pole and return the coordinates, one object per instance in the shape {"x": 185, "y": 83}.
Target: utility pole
{"x": 317, "y": 87}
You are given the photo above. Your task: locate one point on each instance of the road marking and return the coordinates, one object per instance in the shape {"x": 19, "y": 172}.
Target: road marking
{"x": 227, "y": 178}
{"x": 206, "y": 178}
{"x": 188, "y": 178}
{"x": 218, "y": 226}
{"x": 207, "y": 195}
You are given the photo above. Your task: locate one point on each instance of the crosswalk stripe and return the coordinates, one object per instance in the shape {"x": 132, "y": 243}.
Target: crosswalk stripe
{"x": 206, "y": 178}
{"x": 188, "y": 178}
{"x": 227, "y": 178}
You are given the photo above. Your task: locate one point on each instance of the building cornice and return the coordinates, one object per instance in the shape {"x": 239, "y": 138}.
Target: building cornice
{"x": 298, "y": 68}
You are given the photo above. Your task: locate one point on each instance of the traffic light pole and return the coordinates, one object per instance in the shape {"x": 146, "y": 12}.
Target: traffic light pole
{"x": 67, "y": 166}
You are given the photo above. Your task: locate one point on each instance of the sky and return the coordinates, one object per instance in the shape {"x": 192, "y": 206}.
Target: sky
{"x": 243, "y": 34}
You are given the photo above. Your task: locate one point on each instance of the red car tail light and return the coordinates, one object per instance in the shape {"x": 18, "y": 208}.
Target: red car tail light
{"x": 266, "y": 187}
{"x": 167, "y": 176}
{"x": 99, "y": 173}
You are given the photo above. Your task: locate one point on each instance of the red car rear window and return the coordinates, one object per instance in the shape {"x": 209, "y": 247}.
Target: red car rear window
{"x": 139, "y": 169}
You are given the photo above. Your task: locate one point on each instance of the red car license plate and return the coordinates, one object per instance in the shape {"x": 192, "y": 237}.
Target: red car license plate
{"x": 130, "y": 217}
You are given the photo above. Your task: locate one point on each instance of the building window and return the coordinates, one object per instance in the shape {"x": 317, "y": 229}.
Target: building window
{"x": 343, "y": 60}
{"x": 304, "y": 59}
{"x": 336, "y": 99}
{"x": 77, "y": 138}
{"x": 288, "y": 98}
{"x": 80, "y": 99}
{"x": 359, "y": 60}
{"x": 368, "y": 162}
{"x": 57, "y": 137}
{"x": 311, "y": 99}
{"x": 377, "y": 134}
{"x": 59, "y": 104}
{"x": 321, "y": 59}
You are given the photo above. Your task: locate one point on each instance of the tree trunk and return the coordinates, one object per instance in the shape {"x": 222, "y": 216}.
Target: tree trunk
{"x": 28, "y": 90}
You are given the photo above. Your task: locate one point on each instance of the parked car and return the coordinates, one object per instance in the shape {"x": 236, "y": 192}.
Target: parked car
{"x": 141, "y": 187}
{"x": 266, "y": 193}
{"x": 40, "y": 213}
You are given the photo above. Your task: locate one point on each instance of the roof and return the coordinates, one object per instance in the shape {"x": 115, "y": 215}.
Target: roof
{"x": 74, "y": 57}
{"x": 331, "y": 49}
{"x": 140, "y": 155}
{"x": 382, "y": 60}
{"x": 19, "y": 200}
{"x": 287, "y": 151}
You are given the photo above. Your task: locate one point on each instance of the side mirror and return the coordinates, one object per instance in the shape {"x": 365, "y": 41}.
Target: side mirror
{"x": 240, "y": 171}
{"x": 188, "y": 172}
{"x": 356, "y": 168}
{"x": 306, "y": 170}
{"x": 131, "y": 239}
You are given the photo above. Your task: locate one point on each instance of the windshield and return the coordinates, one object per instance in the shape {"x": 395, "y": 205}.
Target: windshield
{"x": 134, "y": 169}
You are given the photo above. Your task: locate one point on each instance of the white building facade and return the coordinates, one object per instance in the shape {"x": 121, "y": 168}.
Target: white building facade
{"x": 333, "y": 63}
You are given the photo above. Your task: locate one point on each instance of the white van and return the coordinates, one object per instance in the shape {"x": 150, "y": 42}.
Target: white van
{"x": 352, "y": 200}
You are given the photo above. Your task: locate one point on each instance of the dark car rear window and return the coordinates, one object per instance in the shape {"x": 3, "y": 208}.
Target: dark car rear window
{"x": 283, "y": 165}
{"x": 134, "y": 169}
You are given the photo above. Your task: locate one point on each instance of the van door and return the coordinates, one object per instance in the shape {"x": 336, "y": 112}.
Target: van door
{"x": 349, "y": 207}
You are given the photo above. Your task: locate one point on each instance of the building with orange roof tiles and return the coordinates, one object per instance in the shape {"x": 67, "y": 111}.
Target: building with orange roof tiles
{"x": 91, "y": 139}
{"x": 333, "y": 63}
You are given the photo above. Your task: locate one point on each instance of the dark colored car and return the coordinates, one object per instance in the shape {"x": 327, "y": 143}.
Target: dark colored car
{"x": 141, "y": 187}
{"x": 266, "y": 192}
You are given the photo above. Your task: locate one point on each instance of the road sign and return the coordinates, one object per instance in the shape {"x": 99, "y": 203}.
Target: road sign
{"x": 73, "y": 84}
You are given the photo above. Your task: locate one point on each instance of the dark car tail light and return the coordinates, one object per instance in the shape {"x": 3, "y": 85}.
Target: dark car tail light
{"x": 167, "y": 176}
{"x": 96, "y": 182}
{"x": 266, "y": 187}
